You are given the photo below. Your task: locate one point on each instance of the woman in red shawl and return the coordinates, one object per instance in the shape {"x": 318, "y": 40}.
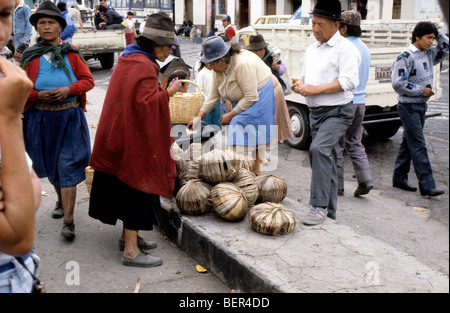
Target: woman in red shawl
{"x": 131, "y": 153}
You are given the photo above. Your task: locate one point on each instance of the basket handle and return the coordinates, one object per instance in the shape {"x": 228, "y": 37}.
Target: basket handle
{"x": 191, "y": 82}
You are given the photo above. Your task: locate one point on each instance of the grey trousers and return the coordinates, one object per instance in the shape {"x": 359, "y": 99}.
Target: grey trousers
{"x": 351, "y": 143}
{"x": 328, "y": 125}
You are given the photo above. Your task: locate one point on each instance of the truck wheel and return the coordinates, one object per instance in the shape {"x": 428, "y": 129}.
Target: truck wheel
{"x": 106, "y": 60}
{"x": 300, "y": 127}
{"x": 382, "y": 130}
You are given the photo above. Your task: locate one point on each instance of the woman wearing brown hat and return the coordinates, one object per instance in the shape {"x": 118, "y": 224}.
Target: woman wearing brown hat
{"x": 55, "y": 127}
{"x": 131, "y": 154}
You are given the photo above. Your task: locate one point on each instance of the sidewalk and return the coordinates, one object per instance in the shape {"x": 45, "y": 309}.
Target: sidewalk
{"x": 333, "y": 257}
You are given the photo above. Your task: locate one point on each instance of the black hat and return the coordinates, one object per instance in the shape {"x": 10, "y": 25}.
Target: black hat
{"x": 256, "y": 42}
{"x": 48, "y": 9}
{"x": 159, "y": 28}
{"x": 330, "y": 9}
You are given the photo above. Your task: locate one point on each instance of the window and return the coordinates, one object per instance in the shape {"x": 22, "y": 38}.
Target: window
{"x": 273, "y": 21}
{"x": 221, "y": 7}
{"x": 166, "y": 4}
{"x": 151, "y": 3}
{"x": 284, "y": 20}
{"x": 136, "y": 4}
{"x": 260, "y": 21}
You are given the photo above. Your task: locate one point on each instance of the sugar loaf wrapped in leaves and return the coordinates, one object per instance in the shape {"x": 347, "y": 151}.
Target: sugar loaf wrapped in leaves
{"x": 218, "y": 166}
{"x": 193, "y": 197}
{"x": 195, "y": 151}
{"x": 189, "y": 171}
{"x": 271, "y": 188}
{"x": 229, "y": 201}
{"x": 246, "y": 161}
{"x": 246, "y": 181}
{"x": 271, "y": 219}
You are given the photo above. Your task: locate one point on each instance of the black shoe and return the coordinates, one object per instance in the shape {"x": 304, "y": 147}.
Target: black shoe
{"x": 58, "y": 211}
{"x": 340, "y": 192}
{"x": 432, "y": 192}
{"x": 68, "y": 230}
{"x": 364, "y": 188}
{"x": 404, "y": 186}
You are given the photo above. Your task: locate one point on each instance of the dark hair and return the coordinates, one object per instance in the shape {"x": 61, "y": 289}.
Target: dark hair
{"x": 180, "y": 74}
{"x": 146, "y": 44}
{"x": 130, "y": 13}
{"x": 422, "y": 29}
{"x": 101, "y": 8}
{"x": 61, "y": 6}
{"x": 352, "y": 30}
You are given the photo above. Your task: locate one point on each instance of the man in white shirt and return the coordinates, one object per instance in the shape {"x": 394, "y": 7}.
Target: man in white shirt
{"x": 330, "y": 75}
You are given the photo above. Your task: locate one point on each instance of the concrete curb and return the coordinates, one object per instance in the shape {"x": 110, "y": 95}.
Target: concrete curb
{"x": 327, "y": 258}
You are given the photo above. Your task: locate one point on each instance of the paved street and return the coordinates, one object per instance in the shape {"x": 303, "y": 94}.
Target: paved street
{"x": 423, "y": 233}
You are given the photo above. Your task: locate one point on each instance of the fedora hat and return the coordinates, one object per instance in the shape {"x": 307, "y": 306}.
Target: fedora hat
{"x": 159, "y": 28}
{"x": 256, "y": 42}
{"x": 330, "y": 9}
{"x": 47, "y": 9}
{"x": 214, "y": 48}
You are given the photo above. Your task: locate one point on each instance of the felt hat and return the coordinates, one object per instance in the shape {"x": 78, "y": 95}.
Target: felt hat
{"x": 214, "y": 48}
{"x": 47, "y": 9}
{"x": 256, "y": 42}
{"x": 330, "y": 9}
{"x": 351, "y": 17}
{"x": 159, "y": 28}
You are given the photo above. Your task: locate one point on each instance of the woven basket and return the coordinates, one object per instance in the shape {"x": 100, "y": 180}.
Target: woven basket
{"x": 89, "y": 171}
{"x": 185, "y": 106}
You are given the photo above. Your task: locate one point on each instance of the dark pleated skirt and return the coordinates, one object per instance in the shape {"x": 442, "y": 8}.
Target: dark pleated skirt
{"x": 112, "y": 200}
{"x": 58, "y": 143}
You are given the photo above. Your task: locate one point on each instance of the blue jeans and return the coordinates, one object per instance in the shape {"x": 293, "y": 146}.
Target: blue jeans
{"x": 413, "y": 147}
{"x": 18, "y": 279}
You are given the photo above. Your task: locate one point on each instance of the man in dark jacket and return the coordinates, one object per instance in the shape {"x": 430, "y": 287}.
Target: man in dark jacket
{"x": 111, "y": 19}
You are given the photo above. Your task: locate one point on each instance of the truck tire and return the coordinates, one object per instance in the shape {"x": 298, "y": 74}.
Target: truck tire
{"x": 106, "y": 60}
{"x": 382, "y": 130}
{"x": 300, "y": 127}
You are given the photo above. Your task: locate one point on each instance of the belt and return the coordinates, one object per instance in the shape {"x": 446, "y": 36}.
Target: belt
{"x": 316, "y": 109}
{"x": 57, "y": 106}
{"x": 10, "y": 265}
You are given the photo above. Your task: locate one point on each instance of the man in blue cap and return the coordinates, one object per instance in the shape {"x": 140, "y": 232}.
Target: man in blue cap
{"x": 330, "y": 75}
{"x": 228, "y": 29}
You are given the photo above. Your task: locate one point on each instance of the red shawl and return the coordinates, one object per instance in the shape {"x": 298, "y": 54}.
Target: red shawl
{"x": 133, "y": 139}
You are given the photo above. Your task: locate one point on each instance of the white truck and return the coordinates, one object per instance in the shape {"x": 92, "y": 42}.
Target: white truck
{"x": 386, "y": 40}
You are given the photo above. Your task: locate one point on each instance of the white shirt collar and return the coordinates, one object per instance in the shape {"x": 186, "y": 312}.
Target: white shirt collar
{"x": 332, "y": 41}
{"x": 413, "y": 48}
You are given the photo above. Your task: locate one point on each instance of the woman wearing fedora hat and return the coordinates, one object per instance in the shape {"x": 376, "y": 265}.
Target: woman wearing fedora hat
{"x": 241, "y": 77}
{"x": 131, "y": 154}
{"x": 55, "y": 127}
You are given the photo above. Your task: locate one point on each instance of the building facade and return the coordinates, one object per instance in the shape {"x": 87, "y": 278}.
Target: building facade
{"x": 206, "y": 14}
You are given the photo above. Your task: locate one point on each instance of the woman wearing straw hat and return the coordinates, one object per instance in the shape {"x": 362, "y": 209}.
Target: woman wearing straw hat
{"x": 131, "y": 153}
{"x": 241, "y": 77}
{"x": 55, "y": 127}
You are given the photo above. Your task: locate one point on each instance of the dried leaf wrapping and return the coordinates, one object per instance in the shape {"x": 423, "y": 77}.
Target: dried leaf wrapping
{"x": 271, "y": 219}
{"x": 189, "y": 171}
{"x": 218, "y": 166}
{"x": 195, "y": 151}
{"x": 229, "y": 201}
{"x": 271, "y": 188}
{"x": 246, "y": 161}
{"x": 193, "y": 197}
{"x": 246, "y": 181}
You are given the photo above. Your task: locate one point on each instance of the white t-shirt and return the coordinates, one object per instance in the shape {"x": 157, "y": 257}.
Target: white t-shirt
{"x": 6, "y": 258}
